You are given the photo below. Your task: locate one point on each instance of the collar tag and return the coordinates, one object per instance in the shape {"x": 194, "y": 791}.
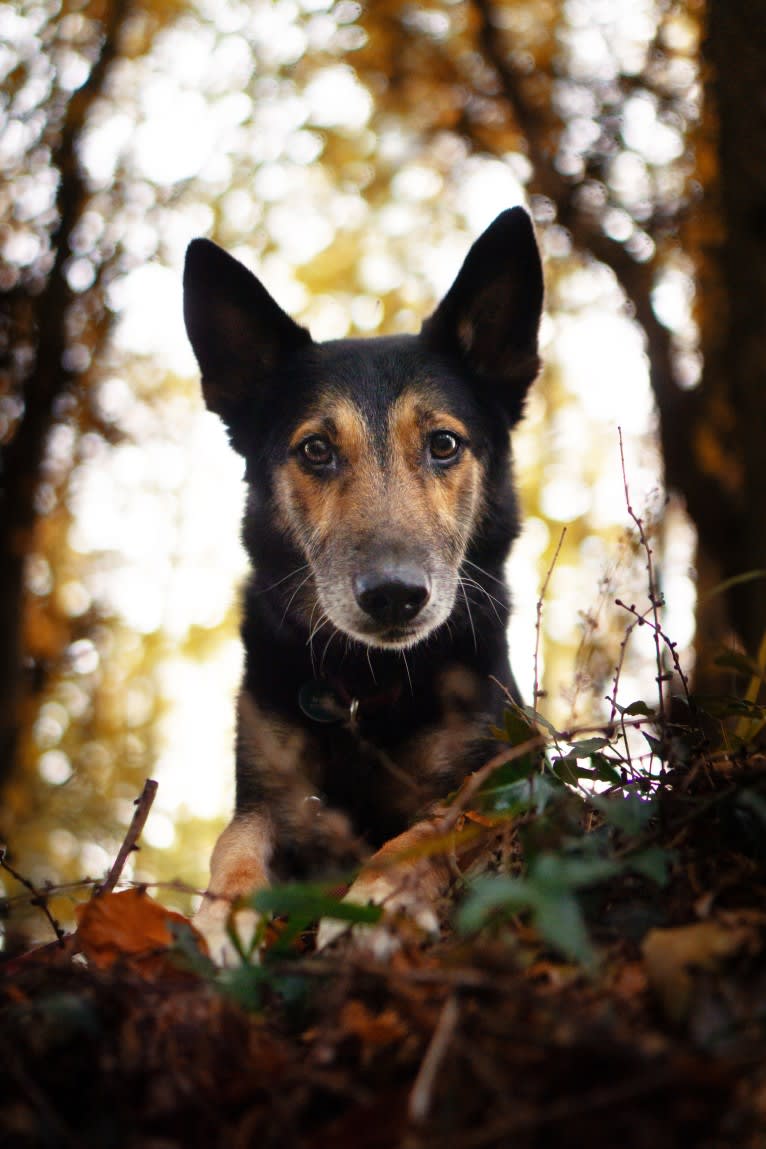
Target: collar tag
{"x": 321, "y": 703}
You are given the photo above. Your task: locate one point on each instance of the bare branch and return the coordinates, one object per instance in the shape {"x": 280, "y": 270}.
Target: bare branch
{"x": 679, "y": 409}
{"x": 143, "y": 805}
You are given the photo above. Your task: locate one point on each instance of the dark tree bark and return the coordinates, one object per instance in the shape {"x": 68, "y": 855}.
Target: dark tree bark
{"x": 47, "y": 380}
{"x": 735, "y": 342}
{"x": 713, "y": 437}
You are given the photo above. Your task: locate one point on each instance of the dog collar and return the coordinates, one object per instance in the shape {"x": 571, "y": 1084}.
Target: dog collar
{"x": 330, "y": 702}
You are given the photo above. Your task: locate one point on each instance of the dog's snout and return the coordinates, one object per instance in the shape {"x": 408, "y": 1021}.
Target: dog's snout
{"x": 392, "y": 595}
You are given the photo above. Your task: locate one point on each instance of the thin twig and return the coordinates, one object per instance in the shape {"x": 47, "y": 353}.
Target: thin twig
{"x": 475, "y": 781}
{"x": 641, "y": 620}
{"x": 421, "y": 1095}
{"x": 539, "y": 614}
{"x": 51, "y": 889}
{"x": 143, "y": 805}
{"x": 654, "y": 598}
{"x": 37, "y": 897}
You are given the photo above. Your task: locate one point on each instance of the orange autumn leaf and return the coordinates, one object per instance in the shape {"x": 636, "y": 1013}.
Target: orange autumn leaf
{"x": 374, "y": 1030}
{"x": 128, "y": 925}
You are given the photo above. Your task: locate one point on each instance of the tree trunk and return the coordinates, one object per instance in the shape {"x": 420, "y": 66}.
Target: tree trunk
{"x": 45, "y": 383}
{"x": 735, "y": 342}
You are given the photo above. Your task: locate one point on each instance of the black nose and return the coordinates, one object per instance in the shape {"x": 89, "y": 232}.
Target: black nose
{"x": 392, "y": 595}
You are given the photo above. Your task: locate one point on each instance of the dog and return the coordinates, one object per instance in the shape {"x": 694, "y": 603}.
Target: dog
{"x": 380, "y": 513}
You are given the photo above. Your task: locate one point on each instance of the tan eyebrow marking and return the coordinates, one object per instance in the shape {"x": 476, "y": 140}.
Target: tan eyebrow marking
{"x": 342, "y": 423}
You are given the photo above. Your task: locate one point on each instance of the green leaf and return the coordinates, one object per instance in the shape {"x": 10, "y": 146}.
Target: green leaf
{"x": 186, "y": 950}
{"x": 568, "y": 772}
{"x": 537, "y": 720}
{"x": 639, "y": 708}
{"x": 560, "y": 921}
{"x": 587, "y": 747}
{"x": 628, "y": 812}
{"x": 308, "y": 902}
{"x": 736, "y": 660}
{"x": 548, "y": 893}
{"x": 520, "y": 796}
{"x": 736, "y": 580}
{"x": 601, "y": 770}
{"x": 518, "y": 769}
{"x": 727, "y": 706}
{"x": 245, "y": 984}
{"x": 655, "y": 744}
{"x": 487, "y": 896}
{"x": 754, "y": 803}
{"x": 518, "y": 727}
{"x": 653, "y": 863}
{"x": 557, "y": 872}
{"x": 605, "y": 768}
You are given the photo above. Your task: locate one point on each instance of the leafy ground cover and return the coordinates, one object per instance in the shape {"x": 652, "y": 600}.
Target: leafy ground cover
{"x": 600, "y": 978}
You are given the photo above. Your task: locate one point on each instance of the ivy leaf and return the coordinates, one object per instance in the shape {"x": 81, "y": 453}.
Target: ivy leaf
{"x": 548, "y": 895}
{"x": 560, "y": 921}
{"x": 639, "y": 708}
{"x": 489, "y": 895}
{"x": 307, "y": 902}
{"x": 653, "y": 863}
{"x": 565, "y": 871}
{"x": 754, "y": 803}
{"x": 655, "y": 744}
{"x": 519, "y": 728}
{"x": 568, "y": 772}
{"x": 587, "y": 747}
{"x": 628, "y": 812}
{"x": 727, "y": 706}
{"x": 536, "y": 720}
{"x": 741, "y": 663}
{"x": 605, "y": 768}
{"x": 519, "y": 795}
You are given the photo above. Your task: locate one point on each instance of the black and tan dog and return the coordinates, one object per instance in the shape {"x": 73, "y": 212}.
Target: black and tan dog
{"x": 380, "y": 513}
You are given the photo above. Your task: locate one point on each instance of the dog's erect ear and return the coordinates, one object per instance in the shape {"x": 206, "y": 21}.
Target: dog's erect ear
{"x": 491, "y": 314}
{"x": 237, "y": 330}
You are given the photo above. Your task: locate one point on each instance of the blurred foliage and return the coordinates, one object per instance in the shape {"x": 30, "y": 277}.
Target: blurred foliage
{"x": 350, "y": 152}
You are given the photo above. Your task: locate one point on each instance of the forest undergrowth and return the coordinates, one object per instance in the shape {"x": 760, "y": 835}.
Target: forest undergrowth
{"x": 599, "y": 978}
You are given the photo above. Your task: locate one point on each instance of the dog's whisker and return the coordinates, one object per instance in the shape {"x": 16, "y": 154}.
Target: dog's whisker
{"x": 407, "y": 668}
{"x": 321, "y": 624}
{"x": 472, "y": 582}
{"x": 470, "y": 616}
{"x": 314, "y": 609}
{"x": 493, "y": 602}
{"x": 481, "y": 570}
{"x": 369, "y": 663}
{"x": 292, "y": 596}
{"x": 324, "y": 652}
{"x": 274, "y": 585}
{"x": 314, "y": 631}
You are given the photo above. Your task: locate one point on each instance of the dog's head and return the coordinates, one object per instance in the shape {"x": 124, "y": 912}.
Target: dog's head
{"x": 380, "y": 460}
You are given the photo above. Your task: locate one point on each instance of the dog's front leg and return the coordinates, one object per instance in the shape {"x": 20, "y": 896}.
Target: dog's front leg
{"x": 404, "y": 877}
{"x": 239, "y": 865}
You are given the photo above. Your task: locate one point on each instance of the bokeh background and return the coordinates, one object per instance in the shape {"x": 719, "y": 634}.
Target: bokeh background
{"x": 349, "y": 153}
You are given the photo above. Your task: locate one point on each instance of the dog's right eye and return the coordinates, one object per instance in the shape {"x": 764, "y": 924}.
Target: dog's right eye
{"x": 316, "y": 451}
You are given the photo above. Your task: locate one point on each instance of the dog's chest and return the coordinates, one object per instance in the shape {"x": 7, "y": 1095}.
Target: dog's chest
{"x": 383, "y": 783}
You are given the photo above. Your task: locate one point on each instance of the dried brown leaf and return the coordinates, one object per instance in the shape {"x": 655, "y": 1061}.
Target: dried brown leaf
{"x": 671, "y": 956}
{"x": 126, "y": 926}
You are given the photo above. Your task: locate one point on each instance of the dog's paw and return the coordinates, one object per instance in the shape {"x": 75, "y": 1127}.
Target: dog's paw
{"x": 405, "y": 917}
{"x": 215, "y": 920}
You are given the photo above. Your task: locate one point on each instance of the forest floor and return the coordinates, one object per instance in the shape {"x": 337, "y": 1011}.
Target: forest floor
{"x": 608, "y": 990}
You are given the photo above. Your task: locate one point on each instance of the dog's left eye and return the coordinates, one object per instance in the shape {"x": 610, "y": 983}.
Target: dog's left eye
{"x": 443, "y": 446}
{"x": 317, "y": 451}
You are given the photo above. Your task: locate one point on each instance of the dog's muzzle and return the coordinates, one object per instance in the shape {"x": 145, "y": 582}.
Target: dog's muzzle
{"x": 392, "y": 596}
